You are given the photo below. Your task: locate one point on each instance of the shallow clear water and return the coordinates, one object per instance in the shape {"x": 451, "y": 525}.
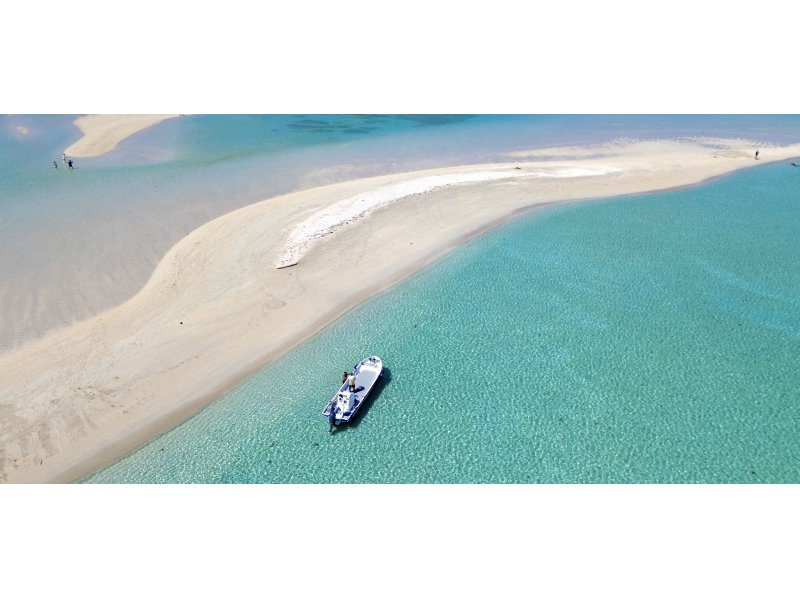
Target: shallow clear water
{"x": 75, "y": 243}
{"x": 645, "y": 339}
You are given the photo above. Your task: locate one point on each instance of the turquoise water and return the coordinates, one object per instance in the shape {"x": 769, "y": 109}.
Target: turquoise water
{"x": 75, "y": 243}
{"x": 648, "y": 339}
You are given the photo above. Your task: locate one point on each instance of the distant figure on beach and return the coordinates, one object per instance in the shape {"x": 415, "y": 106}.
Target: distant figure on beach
{"x": 64, "y": 158}
{"x": 351, "y": 382}
{"x": 344, "y": 377}
{"x": 70, "y": 163}
{"x": 756, "y": 154}
{"x": 55, "y": 164}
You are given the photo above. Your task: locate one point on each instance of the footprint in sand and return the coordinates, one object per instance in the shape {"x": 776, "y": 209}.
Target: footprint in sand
{"x": 274, "y": 303}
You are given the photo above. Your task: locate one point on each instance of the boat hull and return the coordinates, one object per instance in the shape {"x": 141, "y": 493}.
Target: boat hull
{"x": 345, "y": 404}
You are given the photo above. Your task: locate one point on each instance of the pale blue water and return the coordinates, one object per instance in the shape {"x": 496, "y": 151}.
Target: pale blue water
{"x": 75, "y": 243}
{"x": 649, "y": 339}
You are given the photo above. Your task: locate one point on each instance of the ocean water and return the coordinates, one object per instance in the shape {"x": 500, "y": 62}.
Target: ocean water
{"x": 645, "y": 339}
{"x": 75, "y": 243}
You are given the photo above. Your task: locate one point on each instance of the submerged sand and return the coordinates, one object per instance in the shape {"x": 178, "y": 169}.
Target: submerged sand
{"x": 217, "y": 307}
{"x": 103, "y": 132}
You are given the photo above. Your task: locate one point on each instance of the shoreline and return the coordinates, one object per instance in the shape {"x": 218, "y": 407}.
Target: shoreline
{"x": 215, "y": 309}
{"x": 103, "y": 132}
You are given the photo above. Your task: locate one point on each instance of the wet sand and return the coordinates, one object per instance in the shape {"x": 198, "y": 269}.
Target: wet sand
{"x": 217, "y": 308}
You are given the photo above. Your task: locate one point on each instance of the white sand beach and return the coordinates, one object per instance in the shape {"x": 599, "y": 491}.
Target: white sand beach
{"x": 246, "y": 287}
{"x": 103, "y": 132}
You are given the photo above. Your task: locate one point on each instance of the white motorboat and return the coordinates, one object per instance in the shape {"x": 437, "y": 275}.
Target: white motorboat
{"x": 346, "y": 402}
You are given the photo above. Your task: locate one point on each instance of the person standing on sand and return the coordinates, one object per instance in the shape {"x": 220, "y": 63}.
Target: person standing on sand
{"x": 756, "y": 154}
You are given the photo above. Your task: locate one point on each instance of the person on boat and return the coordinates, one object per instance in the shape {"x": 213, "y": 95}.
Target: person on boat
{"x": 344, "y": 377}
{"x": 351, "y": 382}
{"x": 332, "y": 419}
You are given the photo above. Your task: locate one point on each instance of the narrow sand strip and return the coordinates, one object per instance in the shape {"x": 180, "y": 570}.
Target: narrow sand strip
{"x": 103, "y": 132}
{"x": 216, "y": 309}
{"x": 350, "y": 209}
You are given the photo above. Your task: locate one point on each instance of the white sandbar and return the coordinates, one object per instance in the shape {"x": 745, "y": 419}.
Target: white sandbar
{"x": 103, "y": 132}
{"x": 216, "y": 309}
{"x": 350, "y": 209}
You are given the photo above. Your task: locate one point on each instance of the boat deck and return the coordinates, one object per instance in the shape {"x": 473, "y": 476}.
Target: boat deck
{"x": 345, "y": 403}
